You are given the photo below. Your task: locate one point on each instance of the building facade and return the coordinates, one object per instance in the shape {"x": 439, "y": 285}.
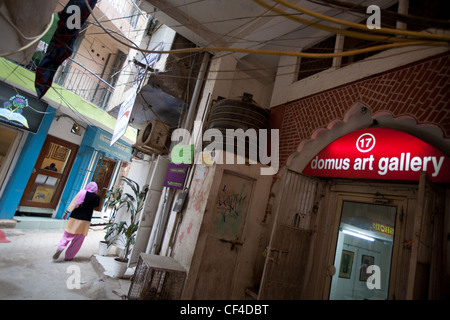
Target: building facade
{"x": 358, "y": 208}
{"x": 43, "y": 167}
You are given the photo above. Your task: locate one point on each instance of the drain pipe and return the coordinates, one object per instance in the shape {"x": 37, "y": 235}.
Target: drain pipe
{"x": 196, "y": 94}
{"x": 188, "y": 126}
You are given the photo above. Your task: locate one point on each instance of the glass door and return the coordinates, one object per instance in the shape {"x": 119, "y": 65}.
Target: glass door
{"x": 50, "y": 173}
{"x": 364, "y": 250}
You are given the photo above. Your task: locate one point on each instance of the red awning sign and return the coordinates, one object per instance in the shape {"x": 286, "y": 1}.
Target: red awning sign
{"x": 380, "y": 153}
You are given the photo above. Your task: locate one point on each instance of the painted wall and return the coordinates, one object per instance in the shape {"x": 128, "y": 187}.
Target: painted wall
{"x": 287, "y": 88}
{"x": 189, "y": 228}
{"x": 197, "y": 229}
{"x": 262, "y": 92}
{"x": 30, "y": 152}
{"x": 61, "y": 128}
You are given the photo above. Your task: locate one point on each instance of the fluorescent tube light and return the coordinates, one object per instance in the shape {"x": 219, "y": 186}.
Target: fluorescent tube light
{"x": 358, "y": 235}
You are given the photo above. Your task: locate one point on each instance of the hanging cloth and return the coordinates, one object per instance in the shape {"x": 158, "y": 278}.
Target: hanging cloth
{"x": 61, "y": 45}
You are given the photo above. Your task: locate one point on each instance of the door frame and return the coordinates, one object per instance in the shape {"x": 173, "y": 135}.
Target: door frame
{"x": 62, "y": 176}
{"x": 225, "y": 245}
{"x": 103, "y": 189}
{"x": 403, "y": 196}
{"x": 371, "y": 198}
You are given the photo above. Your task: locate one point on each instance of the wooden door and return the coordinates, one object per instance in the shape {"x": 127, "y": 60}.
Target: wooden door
{"x": 50, "y": 174}
{"x": 221, "y": 254}
{"x": 288, "y": 261}
{"x": 425, "y": 280}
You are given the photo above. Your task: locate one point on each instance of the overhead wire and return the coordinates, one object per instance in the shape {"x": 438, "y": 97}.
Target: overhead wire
{"x": 384, "y": 30}
{"x": 195, "y": 50}
{"x": 348, "y": 33}
{"x": 349, "y": 7}
{"x": 400, "y": 43}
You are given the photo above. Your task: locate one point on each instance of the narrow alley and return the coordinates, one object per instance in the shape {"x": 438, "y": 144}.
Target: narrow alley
{"x": 27, "y": 270}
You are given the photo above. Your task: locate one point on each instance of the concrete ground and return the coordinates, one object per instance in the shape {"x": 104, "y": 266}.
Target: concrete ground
{"x": 27, "y": 270}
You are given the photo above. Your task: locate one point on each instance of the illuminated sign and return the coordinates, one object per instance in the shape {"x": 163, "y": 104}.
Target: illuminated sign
{"x": 380, "y": 153}
{"x": 20, "y": 110}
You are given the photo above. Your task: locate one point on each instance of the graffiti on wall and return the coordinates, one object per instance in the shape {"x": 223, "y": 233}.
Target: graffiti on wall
{"x": 231, "y": 206}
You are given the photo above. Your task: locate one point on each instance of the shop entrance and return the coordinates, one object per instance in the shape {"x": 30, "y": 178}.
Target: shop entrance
{"x": 364, "y": 250}
{"x": 398, "y": 229}
{"x": 102, "y": 176}
{"x": 49, "y": 176}
{"x": 348, "y": 239}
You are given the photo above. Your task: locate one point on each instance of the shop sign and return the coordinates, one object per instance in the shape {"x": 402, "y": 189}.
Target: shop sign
{"x": 380, "y": 153}
{"x": 176, "y": 174}
{"x": 101, "y": 140}
{"x": 126, "y": 108}
{"x": 21, "y": 110}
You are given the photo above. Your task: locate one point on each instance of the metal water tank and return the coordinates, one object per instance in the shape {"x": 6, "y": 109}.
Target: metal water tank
{"x": 238, "y": 113}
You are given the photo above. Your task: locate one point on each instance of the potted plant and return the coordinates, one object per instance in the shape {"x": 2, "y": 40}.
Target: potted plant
{"x": 125, "y": 231}
{"x": 112, "y": 200}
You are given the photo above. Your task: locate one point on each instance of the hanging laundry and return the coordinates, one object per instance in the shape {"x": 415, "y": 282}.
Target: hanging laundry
{"x": 62, "y": 44}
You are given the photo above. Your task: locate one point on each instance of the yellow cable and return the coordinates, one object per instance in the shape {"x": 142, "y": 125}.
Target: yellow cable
{"x": 363, "y": 27}
{"x": 32, "y": 42}
{"x": 352, "y": 34}
{"x": 270, "y": 52}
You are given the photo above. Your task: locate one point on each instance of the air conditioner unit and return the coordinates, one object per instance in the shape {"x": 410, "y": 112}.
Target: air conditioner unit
{"x": 152, "y": 137}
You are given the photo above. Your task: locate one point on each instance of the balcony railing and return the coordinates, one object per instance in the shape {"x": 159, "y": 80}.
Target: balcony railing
{"x": 77, "y": 78}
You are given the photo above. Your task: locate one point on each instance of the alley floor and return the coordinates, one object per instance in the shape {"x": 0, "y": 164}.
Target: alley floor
{"x": 28, "y": 271}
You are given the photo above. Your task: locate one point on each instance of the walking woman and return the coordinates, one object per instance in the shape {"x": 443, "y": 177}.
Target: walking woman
{"x": 81, "y": 209}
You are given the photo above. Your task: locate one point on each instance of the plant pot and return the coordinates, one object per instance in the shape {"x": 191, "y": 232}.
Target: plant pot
{"x": 103, "y": 248}
{"x": 119, "y": 267}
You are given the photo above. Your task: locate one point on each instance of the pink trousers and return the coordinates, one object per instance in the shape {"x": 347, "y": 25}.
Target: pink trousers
{"x": 76, "y": 240}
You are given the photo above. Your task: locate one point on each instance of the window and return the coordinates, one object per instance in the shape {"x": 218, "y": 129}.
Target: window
{"x": 310, "y": 66}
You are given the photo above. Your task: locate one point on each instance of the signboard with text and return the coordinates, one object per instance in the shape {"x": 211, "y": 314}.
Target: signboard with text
{"x": 101, "y": 140}
{"x": 380, "y": 153}
{"x": 21, "y": 110}
{"x": 123, "y": 118}
{"x": 176, "y": 174}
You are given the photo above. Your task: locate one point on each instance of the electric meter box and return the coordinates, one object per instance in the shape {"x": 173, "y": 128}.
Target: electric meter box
{"x": 178, "y": 206}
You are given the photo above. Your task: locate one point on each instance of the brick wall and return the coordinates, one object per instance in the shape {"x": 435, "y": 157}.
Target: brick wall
{"x": 420, "y": 90}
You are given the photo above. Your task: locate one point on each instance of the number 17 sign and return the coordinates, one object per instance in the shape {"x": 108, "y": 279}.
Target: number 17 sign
{"x": 380, "y": 153}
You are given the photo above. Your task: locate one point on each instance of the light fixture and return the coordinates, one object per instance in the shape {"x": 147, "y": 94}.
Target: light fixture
{"x": 75, "y": 128}
{"x": 358, "y": 235}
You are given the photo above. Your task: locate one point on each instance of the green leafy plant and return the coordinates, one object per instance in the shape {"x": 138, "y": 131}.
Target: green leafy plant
{"x": 112, "y": 199}
{"x": 125, "y": 231}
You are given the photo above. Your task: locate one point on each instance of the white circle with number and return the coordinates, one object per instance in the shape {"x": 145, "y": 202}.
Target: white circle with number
{"x": 365, "y": 142}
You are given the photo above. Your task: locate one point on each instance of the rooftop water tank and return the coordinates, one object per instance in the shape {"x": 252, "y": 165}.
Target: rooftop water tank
{"x": 238, "y": 113}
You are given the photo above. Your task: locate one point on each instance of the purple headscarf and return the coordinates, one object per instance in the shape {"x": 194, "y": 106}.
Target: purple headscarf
{"x": 91, "y": 187}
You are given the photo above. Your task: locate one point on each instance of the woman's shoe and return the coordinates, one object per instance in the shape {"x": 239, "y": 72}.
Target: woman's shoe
{"x": 56, "y": 255}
